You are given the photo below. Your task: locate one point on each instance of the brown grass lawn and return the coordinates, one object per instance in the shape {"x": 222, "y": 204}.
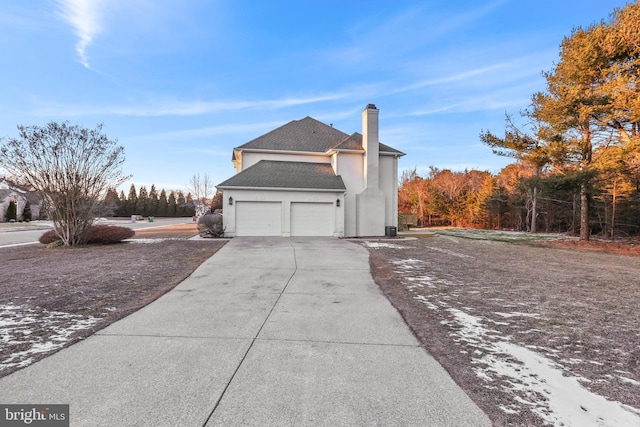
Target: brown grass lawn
{"x": 50, "y": 298}
{"x": 496, "y": 315}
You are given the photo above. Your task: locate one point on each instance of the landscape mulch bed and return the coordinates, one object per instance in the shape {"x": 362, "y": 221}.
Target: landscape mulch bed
{"x": 102, "y": 283}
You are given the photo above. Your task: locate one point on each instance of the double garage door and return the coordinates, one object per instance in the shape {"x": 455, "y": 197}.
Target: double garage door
{"x": 266, "y": 219}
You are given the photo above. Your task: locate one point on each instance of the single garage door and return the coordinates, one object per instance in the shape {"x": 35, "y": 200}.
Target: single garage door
{"x": 311, "y": 219}
{"x": 258, "y": 219}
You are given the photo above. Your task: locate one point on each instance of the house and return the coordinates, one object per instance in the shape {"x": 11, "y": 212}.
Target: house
{"x": 307, "y": 178}
{"x": 10, "y": 191}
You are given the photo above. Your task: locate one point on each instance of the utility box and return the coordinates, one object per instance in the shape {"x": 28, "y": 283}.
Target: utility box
{"x": 391, "y": 231}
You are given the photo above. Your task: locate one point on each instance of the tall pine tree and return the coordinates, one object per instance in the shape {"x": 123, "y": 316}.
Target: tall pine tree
{"x": 171, "y": 205}
{"x": 122, "y": 205}
{"x": 143, "y": 202}
{"x": 163, "y": 204}
{"x": 181, "y": 204}
{"x": 574, "y": 110}
{"x": 152, "y": 208}
{"x": 132, "y": 201}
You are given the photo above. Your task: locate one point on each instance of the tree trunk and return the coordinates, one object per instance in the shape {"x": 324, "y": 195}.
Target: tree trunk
{"x": 534, "y": 210}
{"x": 613, "y": 210}
{"x": 584, "y": 213}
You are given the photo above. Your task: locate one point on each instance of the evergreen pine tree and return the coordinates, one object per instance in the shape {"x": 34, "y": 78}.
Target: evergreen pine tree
{"x": 143, "y": 202}
{"x": 163, "y": 205}
{"x": 171, "y": 204}
{"x": 181, "y": 205}
{"x": 132, "y": 201}
{"x": 26, "y": 213}
{"x": 190, "y": 207}
{"x": 152, "y": 208}
{"x": 12, "y": 211}
{"x": 122, "y": 204}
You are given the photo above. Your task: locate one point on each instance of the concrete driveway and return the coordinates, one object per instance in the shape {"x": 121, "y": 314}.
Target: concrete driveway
{"x": 268, "y": 331}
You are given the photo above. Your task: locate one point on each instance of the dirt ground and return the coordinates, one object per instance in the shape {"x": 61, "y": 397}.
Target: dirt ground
{"x": 51, "y": 298}
{"x": 505, "y": 318}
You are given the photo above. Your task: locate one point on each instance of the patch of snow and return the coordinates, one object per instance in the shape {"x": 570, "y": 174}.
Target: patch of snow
{"x": 409, "y": 263}
{"x": 18, "y": 325}
{"x": 449, "y": 252}
{"x": 516, "y": 314}
{"x": 378, "y": 245}
{"x": 508, "y": 410}
{"x": 628, "y": 380}
{"x": 425, "y": 301}
{"x": 145, "y": 240}
{"x": 498, "y": 323}
{"x": 554, "y": 397}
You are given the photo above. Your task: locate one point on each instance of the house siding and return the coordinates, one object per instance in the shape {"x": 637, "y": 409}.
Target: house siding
{"x": 250, "y": 158}
{"x": 350, "y": 168}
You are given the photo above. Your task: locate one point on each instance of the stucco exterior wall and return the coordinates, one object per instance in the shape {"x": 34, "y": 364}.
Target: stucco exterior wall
{"x": 350, "y": 166}
{"x": 249, "y": 158}
{"x": 389, "y": 186}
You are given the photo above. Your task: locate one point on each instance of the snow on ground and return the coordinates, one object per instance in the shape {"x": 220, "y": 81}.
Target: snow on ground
{"x": 147, "y": 240}
{"x": 503, "y": 235}
{"x": 449, "y": 252}
{"x": 534, "y": 380}
{"x": 378, "y": 245}
{"x": 36, "y": 331}
{"x": 557, "y": 399}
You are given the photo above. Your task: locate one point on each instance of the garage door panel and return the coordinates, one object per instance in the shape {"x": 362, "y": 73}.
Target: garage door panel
{"x": 311, "y": 219}
{"x": 258, "y": 219}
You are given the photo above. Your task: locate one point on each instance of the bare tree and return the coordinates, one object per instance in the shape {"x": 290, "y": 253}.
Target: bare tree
{"x": 71, "y": 167}
{"x": 201, "y": 188}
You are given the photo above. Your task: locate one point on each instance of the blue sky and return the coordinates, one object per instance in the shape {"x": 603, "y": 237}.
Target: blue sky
{"x": 180, "y": 83}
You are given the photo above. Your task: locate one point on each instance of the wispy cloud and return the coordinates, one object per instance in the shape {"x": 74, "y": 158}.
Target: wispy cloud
{"x": 186, "y": 134}
{"x": 84, "y": 16}
{"x": 156, "y": 108}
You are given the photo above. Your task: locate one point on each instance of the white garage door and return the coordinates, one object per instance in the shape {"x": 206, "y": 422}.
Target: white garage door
{"x": 311, "y": 219}
{"x": 258, "y": 219}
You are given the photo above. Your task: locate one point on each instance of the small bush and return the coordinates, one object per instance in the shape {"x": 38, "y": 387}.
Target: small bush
{"x": 107, "y": 234}
{"x": 210, "y": 225}
{"x": 98, "y": 234}
{"x": 12, "y": 212}
{"x": 48, "y": 237}
{"x": 26, "y": 212}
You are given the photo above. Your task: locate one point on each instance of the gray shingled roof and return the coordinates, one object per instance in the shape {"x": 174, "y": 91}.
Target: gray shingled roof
{"x": 280, "y": 174}
{"x": 309, "y": 135}
{"x": 352, "y": 142}
{"x": 299, "y": 135}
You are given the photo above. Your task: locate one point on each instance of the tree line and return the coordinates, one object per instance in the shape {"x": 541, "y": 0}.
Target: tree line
{"x": 577, "y": 148}
{"x": 152, "y": 203}
{"x": 479, "y": 199}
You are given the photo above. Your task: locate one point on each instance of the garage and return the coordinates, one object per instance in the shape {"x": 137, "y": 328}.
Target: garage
{"x": 311, "y": 219}
{"x": 258, "y": 219}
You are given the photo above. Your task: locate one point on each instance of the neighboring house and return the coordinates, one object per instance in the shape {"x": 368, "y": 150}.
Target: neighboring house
{"x": 308, "y": 179}
{"x": 10, "y": 191}
{"x": 200, "y": 207}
